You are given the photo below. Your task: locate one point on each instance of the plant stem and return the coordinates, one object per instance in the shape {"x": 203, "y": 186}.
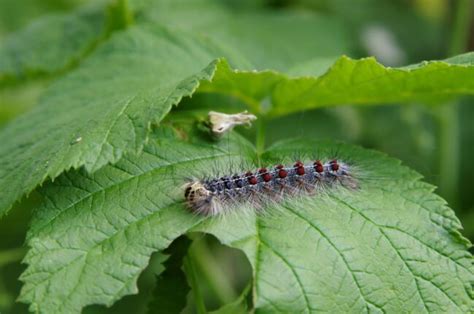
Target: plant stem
{"x": 212, "y": 272}
{"x": 190, "y": 270}
{"x": 449, "y": 151}
{"x": 448, "y": 115}
{"x": 260, "y": 137}
{"x": 461, "y": 23}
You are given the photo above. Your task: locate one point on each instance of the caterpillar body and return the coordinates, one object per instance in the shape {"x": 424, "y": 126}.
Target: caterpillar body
{"x": 214, "y": 196}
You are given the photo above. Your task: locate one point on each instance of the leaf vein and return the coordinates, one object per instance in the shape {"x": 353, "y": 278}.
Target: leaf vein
{"x": 338, "y": 252}
{"x": 298, "y": 280}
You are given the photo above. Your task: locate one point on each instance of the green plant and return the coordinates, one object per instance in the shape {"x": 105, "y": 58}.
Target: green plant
{"x": 105, "y": 151}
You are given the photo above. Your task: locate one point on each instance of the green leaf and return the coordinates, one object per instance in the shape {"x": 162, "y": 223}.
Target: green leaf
{"x": 50, "y": 44}
{"x": 122, "y": 217}
{"x": 391, "y": 245}
{"x": 169, "y": 295}
{"x": 101, "y": 110}
{"x": 348, "y": 81}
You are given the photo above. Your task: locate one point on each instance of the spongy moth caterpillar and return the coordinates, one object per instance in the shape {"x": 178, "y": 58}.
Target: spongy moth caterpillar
{"x": 214, "y": 196}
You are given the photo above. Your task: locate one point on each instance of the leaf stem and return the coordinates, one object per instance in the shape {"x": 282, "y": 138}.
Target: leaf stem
{"x": 212, "y": 272}
{"x": 461, "y": 22}
{"x": 449, "y": 151}
{"x": 190, "y": 270}
{"x": 260, "y": 137}
{"x": 448, "y": 115}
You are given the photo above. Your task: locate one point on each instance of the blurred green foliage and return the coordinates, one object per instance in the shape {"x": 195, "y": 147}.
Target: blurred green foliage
{"x": 396, "y": 32}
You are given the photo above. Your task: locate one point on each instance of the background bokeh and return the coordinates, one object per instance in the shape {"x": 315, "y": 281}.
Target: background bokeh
{"x": 437, "y": 141}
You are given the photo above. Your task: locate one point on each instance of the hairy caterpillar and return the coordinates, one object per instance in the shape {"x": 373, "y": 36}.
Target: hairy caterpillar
{"x": 211, "y": 197}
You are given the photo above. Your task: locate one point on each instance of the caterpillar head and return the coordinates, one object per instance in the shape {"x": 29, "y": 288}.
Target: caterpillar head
{"x": 196, "y": 192}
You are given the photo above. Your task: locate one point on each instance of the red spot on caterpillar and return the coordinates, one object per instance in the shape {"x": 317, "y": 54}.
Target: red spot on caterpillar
{"x": 282, "y": 173}
{"x": 265, "y": 175}
{"x": 318, "y": 166}
{"x": 299, "y": 166}
{"x": 334, "y": 165}
{"x": 251, "y": 178}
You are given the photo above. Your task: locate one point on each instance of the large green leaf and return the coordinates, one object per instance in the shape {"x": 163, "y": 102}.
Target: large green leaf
{"x": 390, "y": 246}
{"x": 101, "y": 110}
{"x": 348, "y": 81}
{"x": 104, "y": 108}
{"x": 125, "y": 214}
